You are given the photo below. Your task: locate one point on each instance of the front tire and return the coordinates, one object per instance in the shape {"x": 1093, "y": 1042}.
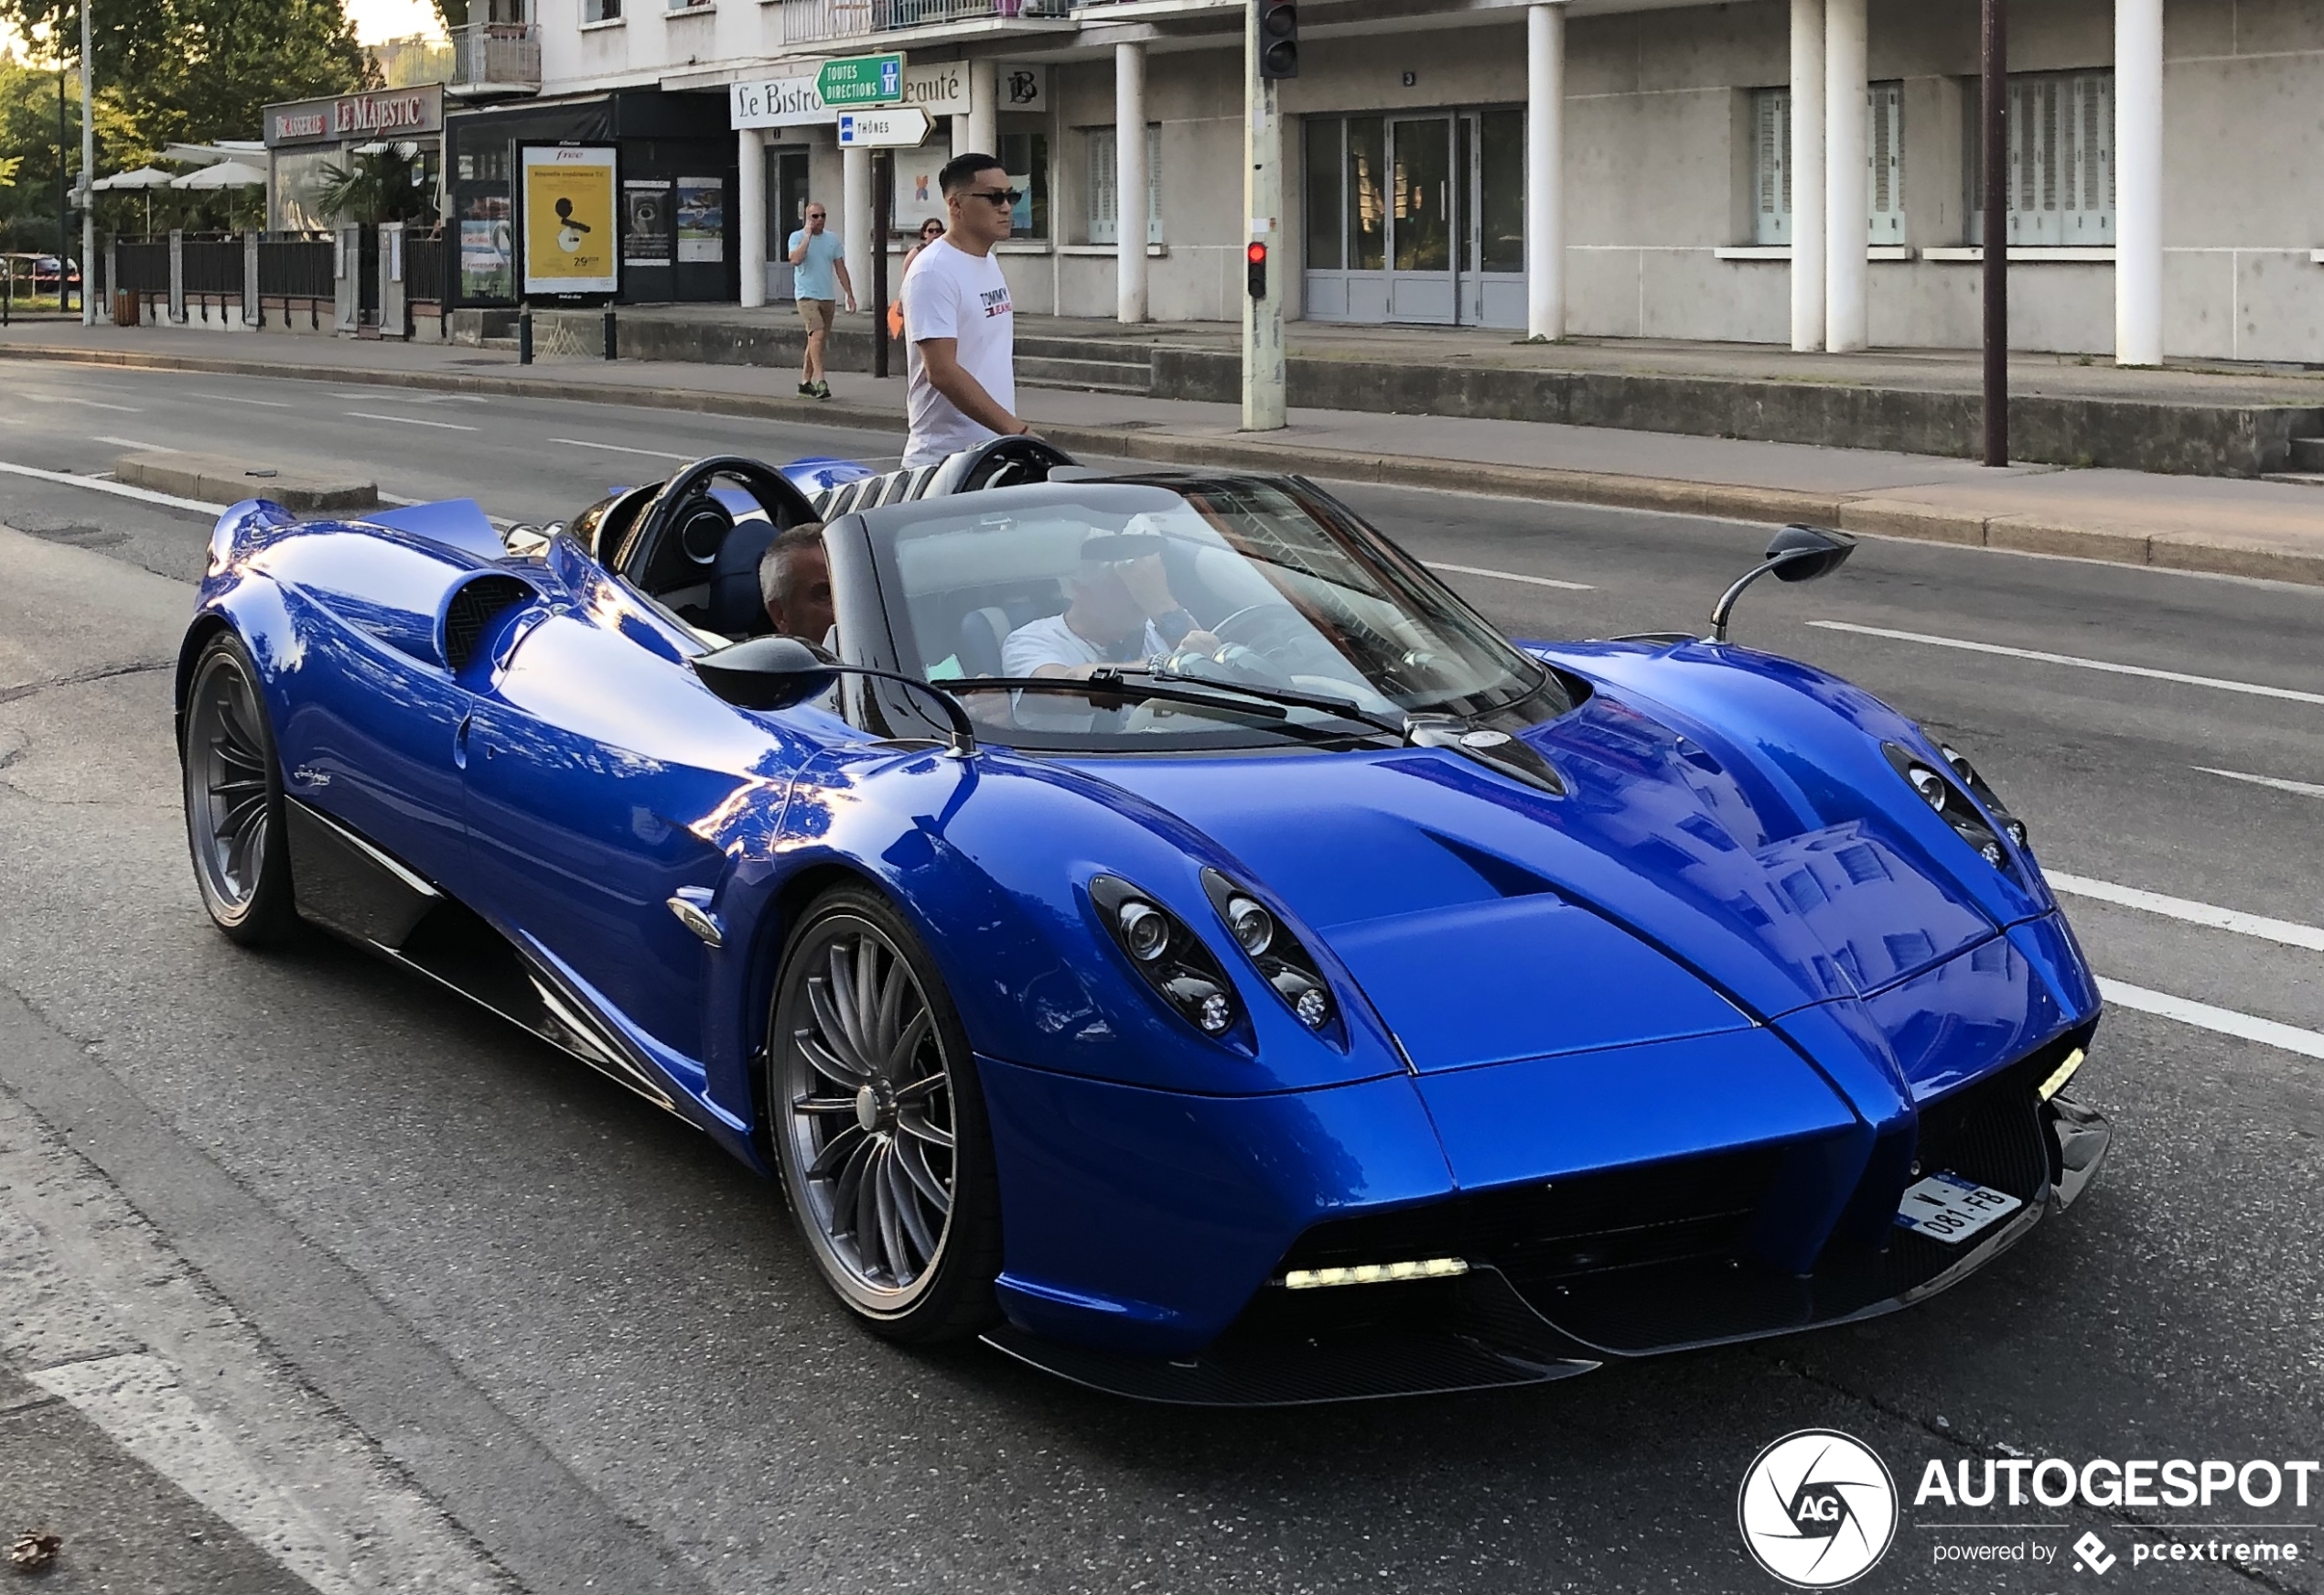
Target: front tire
{"x": 878, "y": 1123}
{"x": 234, "y": 824}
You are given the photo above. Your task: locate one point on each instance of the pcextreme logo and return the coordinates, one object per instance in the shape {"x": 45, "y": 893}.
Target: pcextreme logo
{"x": 1817, "y": 1509}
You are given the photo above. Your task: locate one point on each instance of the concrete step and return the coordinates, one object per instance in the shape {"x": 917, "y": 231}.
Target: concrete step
{"x": 1111, "y": 376}
{"x": 2297, "y": 478}
{"x": 1105, "y": 349}
{"x": 2307, "y": 454}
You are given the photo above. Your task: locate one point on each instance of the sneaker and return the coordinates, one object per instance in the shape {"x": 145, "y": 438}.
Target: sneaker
{"x": 807, "y": 391}
{"x": 822, "y": 390}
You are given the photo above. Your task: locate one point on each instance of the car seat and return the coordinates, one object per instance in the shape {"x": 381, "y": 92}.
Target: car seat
{"x": 981, "y": 633}
{"x": 736, "y": 606}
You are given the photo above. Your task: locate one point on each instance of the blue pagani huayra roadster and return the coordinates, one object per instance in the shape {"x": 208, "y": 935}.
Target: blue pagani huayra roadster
{"x": 1160, "y": 929}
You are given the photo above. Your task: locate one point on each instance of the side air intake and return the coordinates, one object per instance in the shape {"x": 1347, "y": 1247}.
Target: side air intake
{"x": 473, "y": 610}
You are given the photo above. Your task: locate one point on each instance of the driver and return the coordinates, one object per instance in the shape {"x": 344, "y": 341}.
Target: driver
{"x": 1118, "y": 610}
{"x": 794, "y": 582}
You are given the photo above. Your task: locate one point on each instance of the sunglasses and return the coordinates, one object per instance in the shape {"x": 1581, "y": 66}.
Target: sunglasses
{"x": 998, "y": 196}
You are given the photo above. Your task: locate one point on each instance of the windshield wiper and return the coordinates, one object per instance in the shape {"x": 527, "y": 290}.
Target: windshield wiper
{"x": 1319, "y": 701}
{"x": 1115, "y": 683}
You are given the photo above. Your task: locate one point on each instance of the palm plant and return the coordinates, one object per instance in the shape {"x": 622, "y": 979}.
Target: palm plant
{"x": 379, "y": 183}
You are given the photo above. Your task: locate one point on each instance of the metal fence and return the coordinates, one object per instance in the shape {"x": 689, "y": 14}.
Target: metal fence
{"x": 214, "y": 268}
{"x": 141, "y": 268}
{"x": 496, "y": 55}
{"x": 296, "y": 268}
{"x": 808, "y": 20}
{"x": 423, "y": 271}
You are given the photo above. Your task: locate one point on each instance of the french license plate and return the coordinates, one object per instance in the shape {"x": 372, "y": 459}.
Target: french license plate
{"x": 1947, "y": 1208}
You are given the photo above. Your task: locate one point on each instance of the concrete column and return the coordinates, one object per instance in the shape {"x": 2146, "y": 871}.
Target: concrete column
{"x": 2138, "y": 182}
{"x": 984, "y": 110}
{"x": 750, "y": 211}
{"x": 855, "y": 219}
{"x": 1545, "y": 171}
{"x": 1130, "y": 181}
{"x": 961, "y": 134}
{"x": 1847, "y": 222}
{"x": 1807, "y": 175}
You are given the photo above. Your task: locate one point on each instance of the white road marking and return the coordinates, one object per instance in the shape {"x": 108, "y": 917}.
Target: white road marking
{"x": 2304, "y": 788}
{"x": 2290, "y": 932}
{"x": 133, "y": 443}
{"x": 92, "y": 404}
{"x": 119, "y": 490}
{"x": 622, "y": 449}
{"x": 264, "y": 404}
{"x": 2110, "y": 668}
{"x": 412, "y": 421}
{"x": 2203, "y": 1016}
{"x": 106, "y": 1317}
{"x": 1531, "y": 581}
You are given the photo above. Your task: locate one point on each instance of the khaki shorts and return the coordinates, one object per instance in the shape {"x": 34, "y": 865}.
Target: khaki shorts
{"x": 816, "y": 314}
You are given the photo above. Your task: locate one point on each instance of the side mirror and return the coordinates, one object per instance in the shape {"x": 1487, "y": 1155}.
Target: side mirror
{"x": 1806, "y": 552}
{"x": 766, "y": 673}
{"x": 781, "y": 672}
{"x": 1794, "y": 553}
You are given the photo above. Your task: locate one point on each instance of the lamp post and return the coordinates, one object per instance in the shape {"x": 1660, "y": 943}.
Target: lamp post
{"x": 88, "y": 172}
{"x": 1994, "y": 99}
{"x": 63, "y": 208}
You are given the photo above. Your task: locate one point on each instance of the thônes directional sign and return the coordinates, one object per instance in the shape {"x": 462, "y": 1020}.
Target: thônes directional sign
{"x": 902, "y": 127}
{"x": 861, "y": 80}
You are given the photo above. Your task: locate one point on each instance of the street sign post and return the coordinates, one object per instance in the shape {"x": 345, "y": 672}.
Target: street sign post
{"x": 861, "y": 80}
{"x": 905, "y": 127}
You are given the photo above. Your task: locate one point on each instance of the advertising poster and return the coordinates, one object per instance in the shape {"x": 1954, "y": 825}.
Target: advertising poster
{"x": 646, "y": 207}
{"x": 701, "y": 219}
{"x": 917, "y": 196}
{"x": 569, "y": 221}
{"x": 487, "y": 249}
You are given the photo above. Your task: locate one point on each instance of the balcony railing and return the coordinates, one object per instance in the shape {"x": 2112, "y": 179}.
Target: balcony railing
{"x": 805, "y": 21}
{"x": 490, "y": 58}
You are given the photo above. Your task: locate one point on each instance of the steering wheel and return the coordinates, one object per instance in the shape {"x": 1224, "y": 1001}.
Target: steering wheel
{"x": 785, "y": 504}
{"x": 997, "y": 462}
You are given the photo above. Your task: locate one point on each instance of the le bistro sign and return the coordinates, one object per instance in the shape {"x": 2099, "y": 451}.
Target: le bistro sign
{"x": 379, "y": 113}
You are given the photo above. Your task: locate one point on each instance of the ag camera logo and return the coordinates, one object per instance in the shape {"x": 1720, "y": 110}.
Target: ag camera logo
{"x": 1817, "y": 1509}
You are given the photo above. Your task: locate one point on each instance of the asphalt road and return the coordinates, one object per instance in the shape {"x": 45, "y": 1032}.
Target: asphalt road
{"x": 592, "y": 1342}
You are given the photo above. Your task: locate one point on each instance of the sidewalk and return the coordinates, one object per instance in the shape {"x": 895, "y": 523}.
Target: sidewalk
{"x": 2227, "y": 526}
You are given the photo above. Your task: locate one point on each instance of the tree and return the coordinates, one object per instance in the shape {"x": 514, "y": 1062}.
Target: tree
{"x": 200, "y": 69}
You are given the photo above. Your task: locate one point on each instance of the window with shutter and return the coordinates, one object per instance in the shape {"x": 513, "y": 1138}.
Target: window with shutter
{"x": 2061, "y": 160}
{"x": 1771, "y": 195}
{"x": 1104, "y": 185}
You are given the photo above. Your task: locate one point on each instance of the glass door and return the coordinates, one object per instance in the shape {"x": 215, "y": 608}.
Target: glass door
{"x": 786, "y": 213}
{"x": 1421, "y": 274}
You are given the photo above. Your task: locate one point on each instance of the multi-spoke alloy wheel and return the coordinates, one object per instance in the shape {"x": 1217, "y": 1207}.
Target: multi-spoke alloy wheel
{"x": 880, "y": 1128}
{"x": 234, "y": 798}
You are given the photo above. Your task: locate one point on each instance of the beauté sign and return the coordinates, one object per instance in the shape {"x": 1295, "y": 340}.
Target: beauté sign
{"x": 941, "y": 89}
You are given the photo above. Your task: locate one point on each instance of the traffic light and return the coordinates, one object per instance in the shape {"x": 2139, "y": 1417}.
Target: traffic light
{"x": 1254, "y": 259}
{"x": 1278, "y": 40}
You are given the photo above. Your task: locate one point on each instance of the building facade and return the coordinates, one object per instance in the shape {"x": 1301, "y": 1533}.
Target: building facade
{"x": 1649, "y": 168}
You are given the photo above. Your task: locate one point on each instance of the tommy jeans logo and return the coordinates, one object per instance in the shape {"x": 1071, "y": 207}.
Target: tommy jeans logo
{"x": 996, "y": 302}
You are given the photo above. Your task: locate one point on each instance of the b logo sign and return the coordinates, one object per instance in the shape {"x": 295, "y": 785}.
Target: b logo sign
{"x": 1817, "y": 1509}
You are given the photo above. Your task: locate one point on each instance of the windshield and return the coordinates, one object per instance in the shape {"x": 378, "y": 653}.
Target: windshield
{"x": 1243, "y": 596}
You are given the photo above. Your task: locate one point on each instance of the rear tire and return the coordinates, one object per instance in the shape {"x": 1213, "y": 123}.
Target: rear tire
{"x": 233, "y": 788}
{"x": 878, "y": 1123}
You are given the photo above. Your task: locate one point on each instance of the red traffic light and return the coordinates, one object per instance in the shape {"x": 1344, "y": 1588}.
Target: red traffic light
{"x": 1254, "y": 256}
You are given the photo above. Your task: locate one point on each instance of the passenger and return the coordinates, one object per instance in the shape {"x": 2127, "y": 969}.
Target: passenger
{"x": 794, "y": 581}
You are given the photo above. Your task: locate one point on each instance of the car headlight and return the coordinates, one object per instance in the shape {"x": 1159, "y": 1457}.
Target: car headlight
{"x": 1173, "y": 961}
{"x": 1288, "y": 969}
{"x": 1951, "y": 804}
{"x": 2011, "y": 826}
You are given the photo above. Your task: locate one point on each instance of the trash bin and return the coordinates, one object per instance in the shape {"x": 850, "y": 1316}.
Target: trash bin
{"x": 127, "y": 304}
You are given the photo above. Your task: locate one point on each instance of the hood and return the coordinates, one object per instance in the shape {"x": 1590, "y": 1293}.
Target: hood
{"x": 1687, "y": 882}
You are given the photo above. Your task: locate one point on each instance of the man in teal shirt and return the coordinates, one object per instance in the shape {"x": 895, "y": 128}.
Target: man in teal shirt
{"x": 816, "y": 258}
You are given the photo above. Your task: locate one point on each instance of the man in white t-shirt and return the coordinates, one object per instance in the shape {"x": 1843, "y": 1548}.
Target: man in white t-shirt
{"x": 1119, "y": 610}
{"x": 960, "y": 364}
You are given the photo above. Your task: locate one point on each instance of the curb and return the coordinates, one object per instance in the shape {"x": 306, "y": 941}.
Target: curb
{"x": 1877, "y": 516}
